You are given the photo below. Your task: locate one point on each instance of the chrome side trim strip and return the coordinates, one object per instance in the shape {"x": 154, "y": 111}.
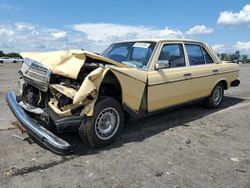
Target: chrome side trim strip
{"x": 189, "y": 78}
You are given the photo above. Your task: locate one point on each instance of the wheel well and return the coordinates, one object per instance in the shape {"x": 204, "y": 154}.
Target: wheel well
{"x": 111, "y": 87}
{"x": 224, "y": 82}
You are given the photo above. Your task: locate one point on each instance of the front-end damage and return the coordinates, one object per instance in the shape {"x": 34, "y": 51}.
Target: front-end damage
{"x": 37, "y": 131}
{"x": 66, "y": 98}
{"x": 59, "y": 89}
{"x": 61, "y": 77}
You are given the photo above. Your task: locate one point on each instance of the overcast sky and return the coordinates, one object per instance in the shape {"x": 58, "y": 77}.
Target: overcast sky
{"x": 32, "y": 25}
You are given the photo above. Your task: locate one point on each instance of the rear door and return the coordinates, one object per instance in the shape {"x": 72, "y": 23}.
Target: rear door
{"x": 202, "y": 69}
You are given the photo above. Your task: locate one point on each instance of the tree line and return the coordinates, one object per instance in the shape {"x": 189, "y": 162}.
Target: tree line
{"x": 235, "y": 57}
{"x": 12, "y": 55}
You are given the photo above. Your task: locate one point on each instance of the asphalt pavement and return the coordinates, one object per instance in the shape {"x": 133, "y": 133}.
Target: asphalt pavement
{"x": 187, "y": 147}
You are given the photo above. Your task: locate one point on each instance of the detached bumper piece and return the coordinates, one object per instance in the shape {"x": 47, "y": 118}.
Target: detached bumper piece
{"x": 235, "y": 83}
{"x": 44, "y": 136}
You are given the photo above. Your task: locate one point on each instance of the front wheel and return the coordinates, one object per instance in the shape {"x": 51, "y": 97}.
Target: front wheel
{"x": 104, "y": 126}
{"x": 216, "y": 96}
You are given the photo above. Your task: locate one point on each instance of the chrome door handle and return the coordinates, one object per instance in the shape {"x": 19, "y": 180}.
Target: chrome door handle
{"x": 215, "y": 71}
{"x": 187, "y": 74}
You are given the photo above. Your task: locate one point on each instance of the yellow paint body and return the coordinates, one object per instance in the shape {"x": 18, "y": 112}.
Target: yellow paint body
{"x": 169, "y": 87}
{"x": 164, "y": 88}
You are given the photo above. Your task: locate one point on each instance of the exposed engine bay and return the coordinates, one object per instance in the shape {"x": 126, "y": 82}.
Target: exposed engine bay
{"x": 66, "y": 96}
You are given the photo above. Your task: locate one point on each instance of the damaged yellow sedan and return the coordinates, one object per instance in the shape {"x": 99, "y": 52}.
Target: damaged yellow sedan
{"x": 79, "y": 90}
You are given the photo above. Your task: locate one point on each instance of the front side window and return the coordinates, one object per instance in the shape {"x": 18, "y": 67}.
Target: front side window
{"x": 195, "y": 54}
{"x": 133, "y": 54}
{"x": 172, "y": 55}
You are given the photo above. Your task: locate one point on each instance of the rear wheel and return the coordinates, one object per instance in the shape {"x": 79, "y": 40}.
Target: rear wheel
{"x": 216, "y": 97}
{"x": 104, "y": 126}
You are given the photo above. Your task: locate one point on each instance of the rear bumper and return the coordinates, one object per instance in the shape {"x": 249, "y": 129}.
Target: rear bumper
{"x": 44, "y": 136}
{"x": 235, "y": 83}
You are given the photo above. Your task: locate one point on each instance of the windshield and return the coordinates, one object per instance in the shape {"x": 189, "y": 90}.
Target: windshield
{"x": 133, "y": 54}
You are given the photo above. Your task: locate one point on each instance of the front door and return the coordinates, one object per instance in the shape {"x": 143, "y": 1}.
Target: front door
{"x": 170, "y": 82}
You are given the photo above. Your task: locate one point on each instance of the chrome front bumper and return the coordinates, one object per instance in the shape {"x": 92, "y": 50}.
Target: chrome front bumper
{"x": 44, "y": 136}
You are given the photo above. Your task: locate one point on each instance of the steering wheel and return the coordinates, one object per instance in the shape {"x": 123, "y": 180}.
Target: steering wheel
{"x": 141, "y": 61}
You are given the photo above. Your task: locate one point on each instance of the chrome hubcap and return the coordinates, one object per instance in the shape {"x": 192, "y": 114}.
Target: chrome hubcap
{"x": 217, "y": 95}
{"x": 107, "y": 123}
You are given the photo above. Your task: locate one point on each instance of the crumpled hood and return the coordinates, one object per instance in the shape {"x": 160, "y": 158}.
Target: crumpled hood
{"x": 66, "y": 63}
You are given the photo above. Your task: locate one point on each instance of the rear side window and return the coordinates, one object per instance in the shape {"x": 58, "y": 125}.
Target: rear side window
{"x": 195, "y": 54}
{"x": 173, "y": 54}
{"x": 207, "y": 57}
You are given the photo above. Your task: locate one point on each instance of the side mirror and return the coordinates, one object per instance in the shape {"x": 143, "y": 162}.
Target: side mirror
{"x": 162, "y": 64}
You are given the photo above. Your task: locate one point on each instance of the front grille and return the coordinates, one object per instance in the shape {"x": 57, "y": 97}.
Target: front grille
{"x": 36, "y": 74}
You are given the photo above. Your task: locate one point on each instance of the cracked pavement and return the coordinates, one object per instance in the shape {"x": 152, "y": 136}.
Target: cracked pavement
{"x": 187, "y": 147}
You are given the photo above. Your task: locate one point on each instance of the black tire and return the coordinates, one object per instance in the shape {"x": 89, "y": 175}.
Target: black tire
{"x": 216, "y": 97}
{"x": 106, "y": 110}
{"x": 1, "y": 61}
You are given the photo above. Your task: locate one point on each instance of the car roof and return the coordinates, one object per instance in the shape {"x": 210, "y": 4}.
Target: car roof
{"x": 161, "y": 40}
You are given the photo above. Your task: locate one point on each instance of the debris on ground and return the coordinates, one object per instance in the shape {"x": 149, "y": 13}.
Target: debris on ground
{"x": 158, "y": 174}
{"x": 240, "y": 170}
{"x": 17, "y": 136}
{"x": 188, "y": 141}
{"x": 235, "y": 159}
{"x": 19, "y": 126}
